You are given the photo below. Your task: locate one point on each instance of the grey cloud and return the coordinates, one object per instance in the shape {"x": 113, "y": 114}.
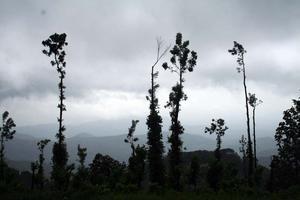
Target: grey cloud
{"x": 112, "y": 43}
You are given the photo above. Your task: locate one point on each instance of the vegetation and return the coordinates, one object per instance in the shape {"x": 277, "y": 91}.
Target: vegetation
{"x": 136, "y": 162}
{"x": 182, "y": 60}
{"x": 285, "y": 165}
{"x": 202, "y": 174}
{"x": 40, "y": 174}
{"x": 7, "y": 133}
{"x": 215, "y": 171}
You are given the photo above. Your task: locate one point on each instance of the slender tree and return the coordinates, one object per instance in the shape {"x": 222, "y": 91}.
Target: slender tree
{"x": 154, "y": 121}
{"x": 136, "y": 162}
{"x": 40, "y": 174}
{"x": 182, "y": 60}
{"x": 55, "y": 44}
{"x": 254, "y": 102}
{"x": 218, "y": 127}
{"x": 81, "y": 153}
{"x": 130, "y": 139}
{"x": 34, "y": 167}
{"x": 7, "y": 133}
{"x": 239, "y": 51}
{"x": 82, "y": 172}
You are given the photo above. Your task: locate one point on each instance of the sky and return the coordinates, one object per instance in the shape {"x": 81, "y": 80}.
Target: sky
{"x": 112, "y": 45}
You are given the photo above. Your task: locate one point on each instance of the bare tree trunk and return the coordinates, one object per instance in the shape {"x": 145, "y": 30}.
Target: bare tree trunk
{"x": 254, "y": 139}
{"x": 250, "y": 152}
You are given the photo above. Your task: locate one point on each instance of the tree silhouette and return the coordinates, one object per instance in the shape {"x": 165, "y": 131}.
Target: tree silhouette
{"x": 254, "y": 102}
{"x": 286, "y": 163}
{"x": 55, "y": 44}
{"x": 239, "y": 51}
{"x": 34, "y": 167}
{"x": 40, "y": 174}
{"x": 215, "y": 171}
{"x": 105, "y": 170}
{"x": 243, "y": 150}
{"x": 130, "y": 137}
{"x": 218, "y": 127}
{"x": 136, "y": 162}
{"x": 82, "y": 172}
{"x": 154, "y": 120}
{"x": 182, "y": 60}
{"x": 81, "y": 153}
{"x": 7, "y": 133}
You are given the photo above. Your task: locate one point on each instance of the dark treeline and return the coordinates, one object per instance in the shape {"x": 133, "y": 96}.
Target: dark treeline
{"x": 151, "y": 167}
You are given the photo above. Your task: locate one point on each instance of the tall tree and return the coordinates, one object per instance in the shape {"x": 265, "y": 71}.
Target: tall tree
{"x": 286, "y": 164}
{"x": 254, "y": 102}
{"x": 40, "y": 174}
{"x": 136, "y": 162}
{"x": 218, "y": 127}
{"x": 182, "y": 60}
{"x": 7, "y": 133}
{"x": 239, "y": 51}
{"x": 55, "y": 44}
{"x": 154, "y": 121}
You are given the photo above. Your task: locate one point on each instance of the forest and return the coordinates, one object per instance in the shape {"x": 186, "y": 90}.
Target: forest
{"x": 154, "y": 171}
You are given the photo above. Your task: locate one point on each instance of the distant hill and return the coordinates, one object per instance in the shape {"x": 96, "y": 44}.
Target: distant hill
{"x": 23, "y": 147}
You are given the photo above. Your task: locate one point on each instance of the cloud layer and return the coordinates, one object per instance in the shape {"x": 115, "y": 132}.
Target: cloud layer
{"x": 112, "y": 46}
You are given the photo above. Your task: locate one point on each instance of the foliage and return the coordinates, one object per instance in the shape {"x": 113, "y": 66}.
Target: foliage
{"x": 40, "y": 174}
{"x": 285, "y": 166}
{"x": 80, "y": 178}
{"x": 104, "y": 170}
{"x": 7, "y": 133}
{"x": 218, "y": 127}
{"x": 136, "y": 162}
{"x": 182, "y": 60}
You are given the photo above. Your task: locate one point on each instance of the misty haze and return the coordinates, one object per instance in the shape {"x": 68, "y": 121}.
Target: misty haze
{"x": 149, "y": 99}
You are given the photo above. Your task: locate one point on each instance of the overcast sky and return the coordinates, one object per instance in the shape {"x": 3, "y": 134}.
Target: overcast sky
{"x": 112, "y": 47}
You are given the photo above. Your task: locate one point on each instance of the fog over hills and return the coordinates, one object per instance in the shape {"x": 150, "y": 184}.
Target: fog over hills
{"x": 107, "y": 137}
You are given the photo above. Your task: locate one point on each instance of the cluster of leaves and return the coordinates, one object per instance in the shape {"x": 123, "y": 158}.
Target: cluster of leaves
{"x": 238, "y": 50}
{"x": 218, "y": 127}
{"x": 106, "y": 170}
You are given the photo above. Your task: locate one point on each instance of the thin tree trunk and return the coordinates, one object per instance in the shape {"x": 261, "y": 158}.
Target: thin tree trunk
{"x": 250, "y": 152}
{"x": 254, "y": 139}
{"x": 61, "y": 110}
